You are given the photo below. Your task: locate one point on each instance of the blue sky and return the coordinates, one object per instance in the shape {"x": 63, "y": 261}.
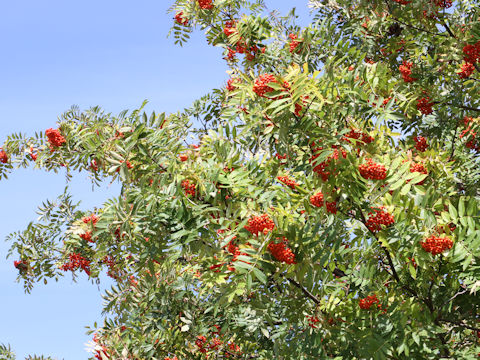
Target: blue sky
{"x": 56, "y": 54}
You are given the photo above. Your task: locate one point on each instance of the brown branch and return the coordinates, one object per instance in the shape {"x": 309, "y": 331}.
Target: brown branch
{"x": 456, "y": 294}
{"x": 464, "y": 107}
{"x": 305, "y": 291}
{"x": 458, "y": 323}
{"x": 445, "y": 25}
{"x": 410, "y": 25}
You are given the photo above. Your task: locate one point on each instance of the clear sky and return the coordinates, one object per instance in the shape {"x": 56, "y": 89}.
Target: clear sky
{"x": 56, "y": 54}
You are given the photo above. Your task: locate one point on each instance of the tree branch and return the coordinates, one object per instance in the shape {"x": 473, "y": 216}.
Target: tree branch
{"x": 459, "y": 323}
{"x": 305, "y": 291}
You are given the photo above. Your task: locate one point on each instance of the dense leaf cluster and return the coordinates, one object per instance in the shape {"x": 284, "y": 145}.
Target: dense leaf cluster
{"x": 193, "y": 282}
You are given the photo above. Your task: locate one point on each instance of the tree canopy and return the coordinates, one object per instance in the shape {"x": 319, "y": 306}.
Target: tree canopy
{"x": 324, "y": 203}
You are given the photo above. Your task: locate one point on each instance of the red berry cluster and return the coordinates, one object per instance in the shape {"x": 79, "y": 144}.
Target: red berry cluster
{"x": 229, "y": 28}
{"x": 215, "y": 267}
{"x": 322, "y": 168}
{"x": 215, "y": 344}
{"x": 101, "y": 352}
{"x": 467, "y": 120}
{"x": 378, "y": 218}
{"x": 90, "y": 219}
{"x": 234, "y": 250}
{"x": 189, "y": 188}
{"x": 317, "y": 199}
{"x": 406, "y": 71}
{"x": 331, "y": 207}
{"x": 173, "y": 358}
{"x": 200, "y": 342}
{"x": 3, "y": 157}
{"x": 372, "y": 171}
{"x": 260, "y": 224}
{"x": 87, "y": 236}
{"x": 313, "y": 321}
{"x": 233, "y": 347}
{"x": 55, "y": 138}
{"x": 180, "y": 20}
{"x": 76, "y": 261}
{"x": 466, "y": 70}
{"x": 32, "y": 155}
{"x": 424, "y": 105}
{"x": 420, "y": 143}
{"x": 472, "y": 53}
{"x": 110, "y": 262}
{"x": 93, "y": 165}
{"x": 420, "y": 168}
{"x": 129, "y": 166}
{"x": 443, "y": 3}
{"x": 261, "y": 84}
{"x": 183, "y": 157}
{"x": 281, "y": 252}
{"x": 242, "y": 48}
{"x": 384, "y": 102}
{"x": 298, "y": 106}
{"x": 366, "y": 303}
{"x": 133, "y": 281}
{"x": 402, "y": 2}
{"x": 293, "y": 43}
{"x": 231, "y": 84}
{"x": 119, "y": 235}
{"x": 20, "y": 264}
{"x": 288, "y": 181}
{"x": 414, "y": 263}
{"x": 358, "y": 135}
{"x": 470, "y": 136}
{"x": 436, "y": 245}
{"x": 281, "y": 157}
{"x": 205, "y": 4}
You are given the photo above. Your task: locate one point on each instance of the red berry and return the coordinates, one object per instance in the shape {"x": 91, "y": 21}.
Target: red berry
{"x": 261, "y": 84}
{"x": 372, "y": 171}
{"x": 229, "y": 28}
{"x": 418, "y": 167}
{"x": 3, "y": 157}
{"x": 55, "y": 138}
{"x": 424, "y": 105}
{"x": 294, "y": 43}
{"x": 378, "y": 218}
{"x": 323, "y": 168}
{"x": 436, "y": 245}
{"x": 288, "y": 181}
{"x": 466, "y": 70}
{"x": 317, "y": 199}
{"x": 331, "y": 207}
{"x": 76, "y": 261}
{"x": 406, "y": 71}
{"x": 260, "y": 224}
{"x": 189, "y": 188}
{"x": 180, "y": 20}
{"x": 420, "y": 143}
{"x": 472, "y": 52}
{"x": 367, "y": 302}
{"x": 281, "y": 252}
{"x": 205, "y": 4}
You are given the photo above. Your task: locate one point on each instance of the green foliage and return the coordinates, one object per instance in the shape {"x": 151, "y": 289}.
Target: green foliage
{"x": 331, "y": 277}
{"x": 6, "y": 352}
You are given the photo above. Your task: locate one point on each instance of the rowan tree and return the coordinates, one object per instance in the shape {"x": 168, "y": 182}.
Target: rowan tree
{"x": 327, "y": 206}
